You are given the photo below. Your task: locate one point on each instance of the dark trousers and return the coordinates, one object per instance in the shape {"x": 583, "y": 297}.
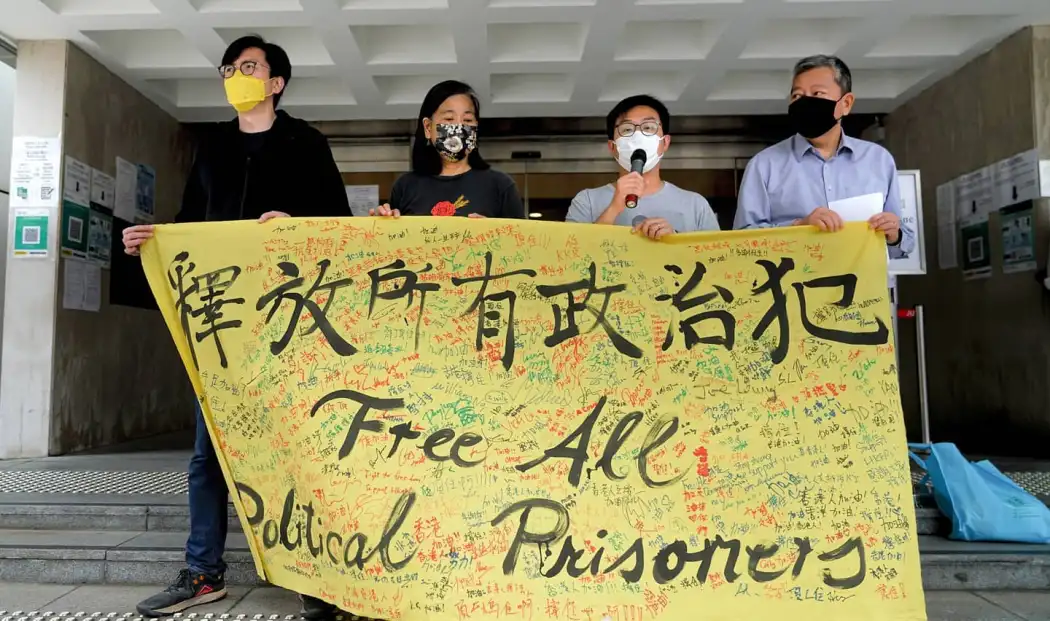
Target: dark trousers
{"x": 209, "y": 518}
{"x": 208, "y": 507}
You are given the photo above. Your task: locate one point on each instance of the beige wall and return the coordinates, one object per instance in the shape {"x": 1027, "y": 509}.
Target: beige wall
{"x": 116, "y": 373}
{"x": 988, "y": 341}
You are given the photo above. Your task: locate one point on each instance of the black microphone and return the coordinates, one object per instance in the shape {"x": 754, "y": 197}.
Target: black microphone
{"x": 637, "y": 165}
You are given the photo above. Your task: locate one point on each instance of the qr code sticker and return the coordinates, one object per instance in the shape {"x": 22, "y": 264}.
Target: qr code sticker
{"x": 76, "y": 230}
{"x": 975, "y": 249}
{"x": 31, "y": 235}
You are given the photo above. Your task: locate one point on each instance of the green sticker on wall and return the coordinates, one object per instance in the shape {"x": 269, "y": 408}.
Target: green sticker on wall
{"x": 75, "y": 222}
{"x": 31, "y": 232}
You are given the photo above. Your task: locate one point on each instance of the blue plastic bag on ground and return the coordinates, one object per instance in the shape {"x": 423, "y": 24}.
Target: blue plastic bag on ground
{"x": 982, "y": 503}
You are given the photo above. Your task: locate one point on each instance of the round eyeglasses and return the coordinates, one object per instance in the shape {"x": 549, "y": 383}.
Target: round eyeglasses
{"x": 247, "y": 68}
{"x": 627, "y": 128}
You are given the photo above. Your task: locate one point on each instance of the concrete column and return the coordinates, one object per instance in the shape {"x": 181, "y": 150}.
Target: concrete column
{"x": 7, "y": 118}
{"x": 988, "y": 341}
{"x": 1041, "y": 72}
{"x": 31, "y": 284}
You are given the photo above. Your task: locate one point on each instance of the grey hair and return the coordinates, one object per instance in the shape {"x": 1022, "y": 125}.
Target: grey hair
{"x": 843, "y": 77}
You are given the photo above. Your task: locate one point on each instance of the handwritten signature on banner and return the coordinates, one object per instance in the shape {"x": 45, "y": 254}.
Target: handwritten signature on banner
{"x": 467, "y": 420}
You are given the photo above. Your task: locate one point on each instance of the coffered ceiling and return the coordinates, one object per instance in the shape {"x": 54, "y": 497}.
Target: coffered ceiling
{"x": 374, "y": 59}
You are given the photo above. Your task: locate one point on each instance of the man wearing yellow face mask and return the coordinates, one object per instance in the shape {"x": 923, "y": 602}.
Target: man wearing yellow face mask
{"x": 263, "y": 165}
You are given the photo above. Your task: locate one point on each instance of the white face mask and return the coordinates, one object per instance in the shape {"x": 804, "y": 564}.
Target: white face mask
{"x": 650, "y": 144}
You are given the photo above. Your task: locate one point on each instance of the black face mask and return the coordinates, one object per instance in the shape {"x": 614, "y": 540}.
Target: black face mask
{"x": 812, "y": 117}
{"x": 455, "y": 141}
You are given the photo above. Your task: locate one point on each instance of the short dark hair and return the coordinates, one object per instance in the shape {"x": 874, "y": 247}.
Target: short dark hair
{"x": 425, "y": 158}
{"x": 625, "y": 106}
{"x": 276, "y": 58}
{"x": 843, "y": 77}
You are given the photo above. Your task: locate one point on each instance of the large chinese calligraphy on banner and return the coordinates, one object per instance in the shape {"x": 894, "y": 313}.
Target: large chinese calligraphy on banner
{"x": 458, "y": 419}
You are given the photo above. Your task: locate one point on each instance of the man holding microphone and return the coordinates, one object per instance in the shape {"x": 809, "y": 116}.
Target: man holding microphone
{"x": 638, "y": 132}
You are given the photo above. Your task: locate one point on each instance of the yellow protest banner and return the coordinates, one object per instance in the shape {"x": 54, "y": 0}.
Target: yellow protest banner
{"x": 457, "y": 419}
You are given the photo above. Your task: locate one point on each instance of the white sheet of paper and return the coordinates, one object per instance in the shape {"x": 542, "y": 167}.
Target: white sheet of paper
{"x": 102, "y": 187}
{"x": 946, "y": 212}
{"x": 127, "y": 184}
{"x": 1015, "y": 179}
{"x": 35, "y": 166}
{"x": 93, "y": 287}
{"x": 73, "y": 285}
{"x": 82, "y": 286}
{"x": 947, "y": 248}
{"x": 1044, "y": 178}
{"x": 973, "y": 193}
{"x": 76, "y": 185}
{"x": 362, "y": 198}
{"x": 859, "y": 208}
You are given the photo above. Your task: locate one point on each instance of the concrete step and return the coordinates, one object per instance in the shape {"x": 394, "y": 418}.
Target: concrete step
{"x": 153, "y": 557}
{"x": 136, "y": 516}
{"x": 930, "y": 521}
{"x": 116, "y": 603}
{"x": 109, "y": 557}
{"x": 56, "y": 602}
{"x": 963, "y": 565}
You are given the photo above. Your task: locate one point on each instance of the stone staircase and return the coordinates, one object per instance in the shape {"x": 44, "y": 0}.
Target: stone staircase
{"x": 85, "y": 539}
{"x": 121, "y": 518}
{"x": 106, "y": 544}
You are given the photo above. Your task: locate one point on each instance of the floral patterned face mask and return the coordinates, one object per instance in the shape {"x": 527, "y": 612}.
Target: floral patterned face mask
{"x": 455, "y": 141}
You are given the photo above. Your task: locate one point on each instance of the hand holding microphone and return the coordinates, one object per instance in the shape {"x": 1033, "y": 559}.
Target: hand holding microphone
{"x": 637, "y": 166}
{"x": 628, "y": 188}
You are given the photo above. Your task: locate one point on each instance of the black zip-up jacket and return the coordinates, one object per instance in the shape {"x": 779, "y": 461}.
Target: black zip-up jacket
{"x": 293, "y": 171}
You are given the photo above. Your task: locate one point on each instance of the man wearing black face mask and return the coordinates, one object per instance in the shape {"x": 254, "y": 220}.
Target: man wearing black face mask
{"x": 792, "y": 182}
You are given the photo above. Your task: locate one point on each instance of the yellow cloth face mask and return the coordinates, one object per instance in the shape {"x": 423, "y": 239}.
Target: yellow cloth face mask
{"x": 244, "y": 92}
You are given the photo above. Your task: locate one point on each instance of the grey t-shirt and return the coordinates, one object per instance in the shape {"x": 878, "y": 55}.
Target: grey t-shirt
{"x": 686, "y": 211}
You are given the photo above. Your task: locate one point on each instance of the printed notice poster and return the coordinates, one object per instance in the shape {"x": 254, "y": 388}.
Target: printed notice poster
{"x": 1044, "y": 178}
{"x": 30, "y": 233}
{"x": 911, "y": 216}
{"x": 973, "y": 194}
{"x": 75, "y": 221}
{"x": 459, "y": 419}
{"x": 35, "y": 166}
{"x": 100, "y": 228}
{"x": 82, "y": 286}
{"x": 947, "y": 228}
{"x": 127, "y": 182}
{"x": 145, "y": 194}
{"x": 100, "y": 238}
{"x": 103, "y": 188}
{"x": 1018, "y": 225}
{"x": 1016, "y": 179}
{"x": 362, "y": 198}
{"x": 76, "y": 182}
{"x": 976, "y": 251}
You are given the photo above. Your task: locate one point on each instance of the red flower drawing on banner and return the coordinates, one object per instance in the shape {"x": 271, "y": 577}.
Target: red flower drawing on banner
{"x": 444, "y": 208}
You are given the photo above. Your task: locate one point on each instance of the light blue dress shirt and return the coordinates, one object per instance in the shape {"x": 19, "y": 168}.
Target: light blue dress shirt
{"x": 790, "y": 179}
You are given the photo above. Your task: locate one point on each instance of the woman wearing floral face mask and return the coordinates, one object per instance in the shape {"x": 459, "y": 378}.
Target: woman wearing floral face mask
{"x": 449, "y": 176}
